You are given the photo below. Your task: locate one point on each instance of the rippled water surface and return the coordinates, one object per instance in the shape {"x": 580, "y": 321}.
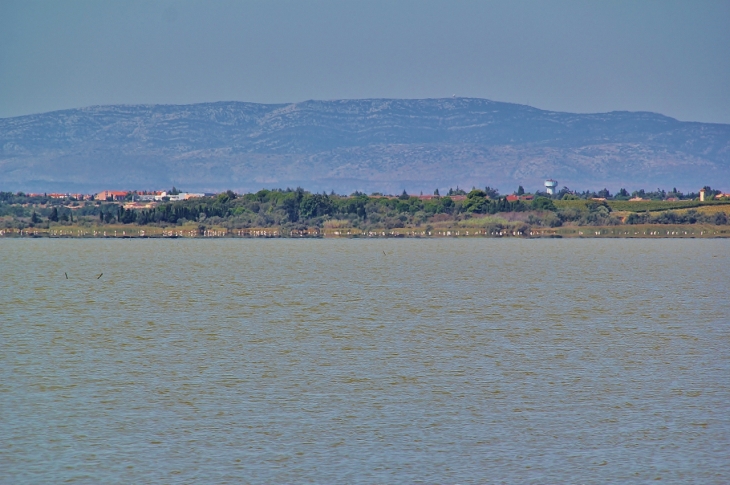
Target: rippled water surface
{"x": 378, "y": 361}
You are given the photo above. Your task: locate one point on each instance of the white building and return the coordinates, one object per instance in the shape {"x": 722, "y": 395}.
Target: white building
{"x": 180, "y": 196}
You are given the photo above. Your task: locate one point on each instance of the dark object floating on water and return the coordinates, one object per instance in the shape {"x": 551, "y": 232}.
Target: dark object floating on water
{"x": 99, "y": 276}
{"x": 66, "y": 275}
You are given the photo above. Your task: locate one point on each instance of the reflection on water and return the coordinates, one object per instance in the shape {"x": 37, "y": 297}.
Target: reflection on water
{"x": 351, "y": 361}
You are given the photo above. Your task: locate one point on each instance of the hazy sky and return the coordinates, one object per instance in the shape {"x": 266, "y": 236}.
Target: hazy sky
{"x": 664, "y": 56}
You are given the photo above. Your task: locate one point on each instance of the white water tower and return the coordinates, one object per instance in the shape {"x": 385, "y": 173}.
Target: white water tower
{"x": 550, "y": 185}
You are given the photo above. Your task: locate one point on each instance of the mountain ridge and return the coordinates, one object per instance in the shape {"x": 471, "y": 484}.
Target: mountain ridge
{"x": 374, "y": 144}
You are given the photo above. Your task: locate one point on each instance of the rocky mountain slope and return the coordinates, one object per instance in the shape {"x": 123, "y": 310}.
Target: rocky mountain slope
{"x": 375, "y": 144}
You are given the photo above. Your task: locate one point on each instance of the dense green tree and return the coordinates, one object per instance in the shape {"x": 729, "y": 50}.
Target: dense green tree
{"x": 226, "y": 196}
{"x": 127, "y": 216}
{"x": 476, "y": 201}
{"x": 543, "y": 203}
{"x": 458, "y": 191}
{"x": 315, "y": 205}
{"x": 710, "y": 192}
{"x": 291, "y": 206}
{"x": 492, "y": 193}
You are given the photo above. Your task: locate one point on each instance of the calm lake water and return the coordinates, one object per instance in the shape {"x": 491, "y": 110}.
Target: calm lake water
{"x": 364, "y": 361}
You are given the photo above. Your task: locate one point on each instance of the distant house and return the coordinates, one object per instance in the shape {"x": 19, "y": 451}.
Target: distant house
{"x": 147, "y": 196}
{"x": 57, "y": 196}
{"x": 116, "y": 195}
{"x": 636, "y": 199}
{"x": 180, "y": 196}
{"x": 512, "y": 197}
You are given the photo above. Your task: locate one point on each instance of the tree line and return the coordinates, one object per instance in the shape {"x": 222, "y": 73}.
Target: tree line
{"x": 298, "y": 209}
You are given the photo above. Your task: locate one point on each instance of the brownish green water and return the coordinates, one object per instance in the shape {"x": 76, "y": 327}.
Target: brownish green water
{"x": 373, "y": 361}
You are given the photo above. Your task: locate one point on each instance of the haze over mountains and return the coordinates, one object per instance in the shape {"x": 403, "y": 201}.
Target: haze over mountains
{"x": 345, "y": 145}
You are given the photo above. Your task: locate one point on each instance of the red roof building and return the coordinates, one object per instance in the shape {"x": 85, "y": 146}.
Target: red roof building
{"x": 512, "y": 197}
{"x": 111, "y": 195}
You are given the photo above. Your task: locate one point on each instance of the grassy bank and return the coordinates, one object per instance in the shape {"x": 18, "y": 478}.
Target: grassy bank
{"x": 643, "y": 206}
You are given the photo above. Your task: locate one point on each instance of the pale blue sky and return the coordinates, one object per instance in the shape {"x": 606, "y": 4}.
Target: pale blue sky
{"x": 664, "y": 56}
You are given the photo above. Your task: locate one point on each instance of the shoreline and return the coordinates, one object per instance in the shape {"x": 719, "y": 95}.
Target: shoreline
{"x": 639, "y": 231}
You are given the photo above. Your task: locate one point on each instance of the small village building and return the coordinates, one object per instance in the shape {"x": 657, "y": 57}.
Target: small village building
{"x": 175, "y": 197}
{"x": 513, "y": 197}
{"x": 116, "y": 195}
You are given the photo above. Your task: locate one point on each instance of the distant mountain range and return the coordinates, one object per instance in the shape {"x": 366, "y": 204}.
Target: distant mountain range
{"x": 370, "y": 145}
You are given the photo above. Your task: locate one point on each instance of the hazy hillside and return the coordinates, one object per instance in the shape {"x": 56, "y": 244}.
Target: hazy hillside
{"x": 377, "y": 144}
